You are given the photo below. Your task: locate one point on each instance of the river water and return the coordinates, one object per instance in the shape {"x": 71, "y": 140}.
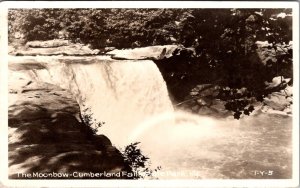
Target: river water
{"x": 206, "y": 148}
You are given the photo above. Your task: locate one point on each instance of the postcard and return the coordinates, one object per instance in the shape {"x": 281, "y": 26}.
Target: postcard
{"x": 149, "y": 94}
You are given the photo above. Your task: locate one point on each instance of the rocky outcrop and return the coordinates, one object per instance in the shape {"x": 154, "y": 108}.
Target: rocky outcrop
{"x": 203, "y": 100}
{"x": 280, "y": 101}
{"x": 267, "y": 52}
{"x": 150, "y": 52}
{"x": 46, "y": 135}
{"x": 281, "y": 96}
{"x": 54, "y": 47}
{"x": 48, "y": 44}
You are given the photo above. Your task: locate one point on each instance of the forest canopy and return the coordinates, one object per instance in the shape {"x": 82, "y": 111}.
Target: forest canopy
{"x": 124, "y": 28}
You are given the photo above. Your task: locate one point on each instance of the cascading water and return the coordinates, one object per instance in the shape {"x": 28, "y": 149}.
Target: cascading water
{"x": 132, "y": 99}
{"x": 120, "y": 93}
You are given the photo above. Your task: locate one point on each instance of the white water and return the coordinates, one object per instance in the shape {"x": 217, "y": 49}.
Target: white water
{"x": 123, "y": 94}
{"x": 132, "y": 98}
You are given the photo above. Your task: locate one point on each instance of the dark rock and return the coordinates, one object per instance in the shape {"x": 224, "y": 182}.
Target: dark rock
{"x": 46, "y": 136}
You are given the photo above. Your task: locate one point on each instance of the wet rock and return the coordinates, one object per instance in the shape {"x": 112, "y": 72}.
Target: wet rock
{"x": 277, "y": 101}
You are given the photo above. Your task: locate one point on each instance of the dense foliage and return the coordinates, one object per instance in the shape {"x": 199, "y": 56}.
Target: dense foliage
{"x": 224, "y": 41}
{"x": 144, "y": 27}
{"x": 99, "y": 27}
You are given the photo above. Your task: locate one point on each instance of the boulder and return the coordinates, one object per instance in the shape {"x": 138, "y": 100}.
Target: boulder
{"x": 277, "y": 101}
{"x": 277, "y": 81}
{"x": 282, "y": 99}
{"x": 288, "y": 91}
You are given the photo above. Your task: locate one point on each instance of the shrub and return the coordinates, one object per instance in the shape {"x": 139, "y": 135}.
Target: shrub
{"x": 138, "y": 163}
{"x": 89, "y": 121}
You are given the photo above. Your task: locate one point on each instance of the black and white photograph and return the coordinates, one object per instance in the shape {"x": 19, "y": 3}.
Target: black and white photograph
{"x": 150, "y": 93}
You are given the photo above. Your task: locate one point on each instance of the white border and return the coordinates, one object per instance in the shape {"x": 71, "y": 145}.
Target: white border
{"x": 144, "y": 183}
{"x": 148, "y": 4}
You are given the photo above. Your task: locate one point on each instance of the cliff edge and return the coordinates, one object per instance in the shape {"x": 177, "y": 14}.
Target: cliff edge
{"x": 46, "y": 135}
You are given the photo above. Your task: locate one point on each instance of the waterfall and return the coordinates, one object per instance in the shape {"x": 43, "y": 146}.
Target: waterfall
{"x": 131, "y": 98}
{"x": 123, "y": 94}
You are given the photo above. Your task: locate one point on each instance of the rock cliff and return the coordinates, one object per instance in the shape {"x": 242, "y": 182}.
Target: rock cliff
{"x": 46, "y": 135}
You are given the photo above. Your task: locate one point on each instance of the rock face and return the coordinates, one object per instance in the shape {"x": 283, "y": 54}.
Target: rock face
{"x": 46, "y": 135}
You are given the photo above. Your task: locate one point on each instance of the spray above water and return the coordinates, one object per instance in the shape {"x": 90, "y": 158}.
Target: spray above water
{"x": 181, "y": 123}
{"x": 182, "y": 143}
